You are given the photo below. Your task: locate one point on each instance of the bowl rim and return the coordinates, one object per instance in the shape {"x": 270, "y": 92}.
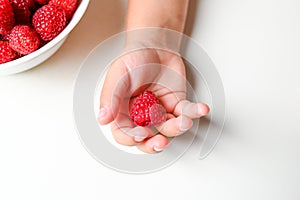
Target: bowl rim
{"x": 80, "y": 11}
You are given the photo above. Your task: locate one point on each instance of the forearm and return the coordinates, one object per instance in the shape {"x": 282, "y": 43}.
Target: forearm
{"x": 156, "y": 23}
{"x": 169, "y": 14}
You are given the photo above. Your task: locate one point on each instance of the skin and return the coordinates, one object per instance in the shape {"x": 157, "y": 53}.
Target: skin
{"x": 126, "y": 76}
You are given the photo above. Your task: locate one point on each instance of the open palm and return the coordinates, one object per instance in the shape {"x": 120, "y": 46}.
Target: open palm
{"x": 161, "y": 72}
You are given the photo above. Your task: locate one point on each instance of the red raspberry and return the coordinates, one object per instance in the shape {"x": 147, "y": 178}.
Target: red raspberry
{"x": 49, "y": 21}
{"x": 21, "y": 11}
{"x": 42, "y": 2}
{"x": 7, "y": 19}
{"x": 6, "y": 53}
{"x": 24, "y": 39}
{"x": 147, "y": 110}
{"x": 69, "y": 6}
{"x": 30, "y": 4}
{"x": 5, "y": 37}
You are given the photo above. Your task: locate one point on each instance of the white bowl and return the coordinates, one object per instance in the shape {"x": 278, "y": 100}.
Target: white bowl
{"x": 31, "y": 60}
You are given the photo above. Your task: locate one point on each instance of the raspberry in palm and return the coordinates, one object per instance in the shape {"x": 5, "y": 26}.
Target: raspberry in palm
{"x": 147, "y": 110}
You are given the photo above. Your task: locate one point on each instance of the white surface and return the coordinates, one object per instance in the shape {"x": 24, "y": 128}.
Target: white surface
{"x": 254, "y": 44}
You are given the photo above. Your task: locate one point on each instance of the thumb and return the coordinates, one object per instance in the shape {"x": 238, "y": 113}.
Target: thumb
{"x": 113, "y": 92}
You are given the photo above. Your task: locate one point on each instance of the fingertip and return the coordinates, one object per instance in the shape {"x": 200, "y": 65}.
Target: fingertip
{"x": 140, "y": 133}
{"x": 160, "y": 144}
{"x": 154, "y": 144}
{"x": 203, "y": 109}
{"x": 104, "y": 116}
{"x": 185, "y": 123}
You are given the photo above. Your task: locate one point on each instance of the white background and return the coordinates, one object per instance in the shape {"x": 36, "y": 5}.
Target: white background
{"x": 255, "y": 46}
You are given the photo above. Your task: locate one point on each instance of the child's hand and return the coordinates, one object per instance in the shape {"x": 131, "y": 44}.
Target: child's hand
{"x": 117, "y": 95}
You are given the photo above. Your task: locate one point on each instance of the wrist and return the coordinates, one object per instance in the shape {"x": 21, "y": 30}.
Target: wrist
{"x": 153, "y": 37}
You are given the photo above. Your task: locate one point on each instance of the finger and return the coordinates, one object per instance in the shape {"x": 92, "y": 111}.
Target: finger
{"x": 125, "y": 133}
{"x": 113, "y": 92}
{"x": 154, "y": 144}
{"x": 175, "y": 126}
{"x": 131, "y": 137}
{"x": 190, "y": 109}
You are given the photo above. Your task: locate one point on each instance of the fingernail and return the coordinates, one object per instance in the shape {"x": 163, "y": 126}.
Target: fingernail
{"x": 101, "y": 113}
{"x": 183, "y": 129}
{"x": 158, "y": 149}
{"x": 138, "y": 138}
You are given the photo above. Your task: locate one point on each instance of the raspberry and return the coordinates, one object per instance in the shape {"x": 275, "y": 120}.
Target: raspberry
{"x": 69, "y": 6}
{"x": 7, "y": 19}
{"x": 21, "y": 11}
{"x": 6, "y": 53}
{"x": 30, "y": 4}
{"x": 24, "y": 39}
{"x": 49, "y": 21}
{"x": 4, "y": 37}
{"x": 147, "y": 110}
{"x": 42, "y": 2}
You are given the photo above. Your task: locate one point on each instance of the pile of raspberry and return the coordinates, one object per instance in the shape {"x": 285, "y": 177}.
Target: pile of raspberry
{"x": 26, "y": 25}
